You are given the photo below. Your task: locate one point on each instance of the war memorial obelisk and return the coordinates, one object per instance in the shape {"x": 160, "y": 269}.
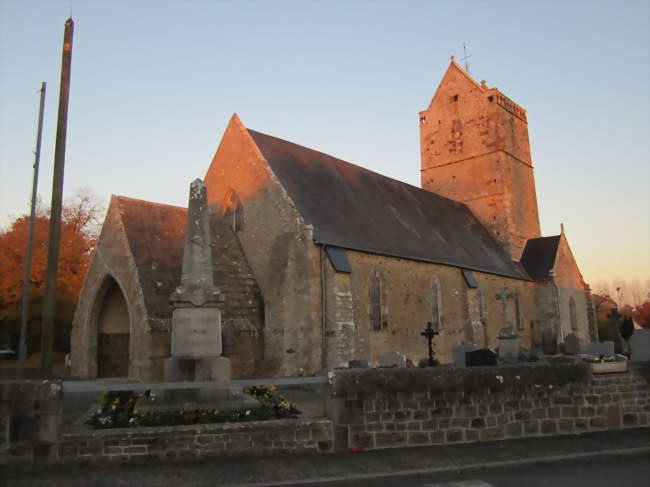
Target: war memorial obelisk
{"x": 196, "y": 320}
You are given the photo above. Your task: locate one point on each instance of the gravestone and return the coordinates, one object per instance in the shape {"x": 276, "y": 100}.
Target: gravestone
{"x": 508, "y": 338}
{"x": 392, "y": 359}
{"x": 571, "y": 344}
{"x": 640, "y": 345}
{"x": 358, "y": 364}
{"x": 549, "y": 339}
{"x": 615, "y": 320}
{"x": 196, "y": 318}
{"x": 600, "y": 348}
{"x": 458, "y": 354}
{"x": 480, "y": 358}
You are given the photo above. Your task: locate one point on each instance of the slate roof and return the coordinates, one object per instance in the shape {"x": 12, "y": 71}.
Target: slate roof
{"x": 156, "y": 235}
{"x": 354, "y": 208}
{"x": 539, "y": 254}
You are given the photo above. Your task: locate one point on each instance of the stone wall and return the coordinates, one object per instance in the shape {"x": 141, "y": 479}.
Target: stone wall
{"x": 242, "y": 312}
{"x": 287, "y": 436}
{"x": 466, "y": 315}
{"x": 279, "y": 248}
{"x": 30, "y": 415}
{"x": 399, "y": 407}
{"x": 372, "y": 408}
{"x": 570, "y": 288}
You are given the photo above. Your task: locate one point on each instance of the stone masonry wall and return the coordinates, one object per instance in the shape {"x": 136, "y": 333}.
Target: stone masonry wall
{"x": 570, "y": 286}
{"x": 408, "y": 294}
{"x": 242, "y": 313}
{"x": 398, "y": 407}
{"x": 30, "y": 414}
{"x": 279, "y": 248}
{"x": 287, "y": 436}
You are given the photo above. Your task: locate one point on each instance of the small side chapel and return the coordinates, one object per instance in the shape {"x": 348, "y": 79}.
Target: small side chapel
{"x": 320, "y": 261}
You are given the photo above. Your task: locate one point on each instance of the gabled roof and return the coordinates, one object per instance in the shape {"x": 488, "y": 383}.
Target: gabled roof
{"x": 155, "y": 233}
{"x": 455, "y": 68}
{"x": 354, "y": 208}
{"x": 539, "y": 255}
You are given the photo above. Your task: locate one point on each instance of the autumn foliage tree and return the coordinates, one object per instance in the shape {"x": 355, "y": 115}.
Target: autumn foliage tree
{"x": 642, "y": 315}
{"x": 80, "y": 222}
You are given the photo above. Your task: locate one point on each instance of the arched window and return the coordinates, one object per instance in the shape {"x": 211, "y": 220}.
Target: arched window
{"x": 572, "y": 314}
{"x": 378, "y": 309}
{"x": 519, "y": 322}
{"x": 238, "y": 223}
{"x": 435, "y": 303}
{"x": 233, "y": 210}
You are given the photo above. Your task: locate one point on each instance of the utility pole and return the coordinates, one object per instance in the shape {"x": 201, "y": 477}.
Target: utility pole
{"x": 22, "y": 349}
{"x": 49, "y": 304}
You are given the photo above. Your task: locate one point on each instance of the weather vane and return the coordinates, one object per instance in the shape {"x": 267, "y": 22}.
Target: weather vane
{"x": 466, "y": 58}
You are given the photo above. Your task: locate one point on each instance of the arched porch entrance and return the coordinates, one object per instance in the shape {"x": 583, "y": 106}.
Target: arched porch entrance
{"x": 113, "y": 332}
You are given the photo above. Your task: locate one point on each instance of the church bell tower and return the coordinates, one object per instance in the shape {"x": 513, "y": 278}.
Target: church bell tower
{"x": 474, "y": 149}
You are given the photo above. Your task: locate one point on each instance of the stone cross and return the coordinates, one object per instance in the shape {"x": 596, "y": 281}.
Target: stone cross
{"x": 429, "y": 332}
{"x": 504, "y": 296}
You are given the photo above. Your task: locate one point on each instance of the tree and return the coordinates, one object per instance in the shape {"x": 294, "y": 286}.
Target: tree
{"x": 80, "y": 221}
{"x": 642, "y": 314}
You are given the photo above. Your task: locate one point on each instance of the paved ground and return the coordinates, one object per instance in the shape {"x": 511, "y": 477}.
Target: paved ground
{"x": 397, "y": 466}
{"x": 618, "y": 471}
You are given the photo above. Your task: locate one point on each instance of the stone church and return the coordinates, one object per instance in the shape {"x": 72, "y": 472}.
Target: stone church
{"x": 321, "y": 261}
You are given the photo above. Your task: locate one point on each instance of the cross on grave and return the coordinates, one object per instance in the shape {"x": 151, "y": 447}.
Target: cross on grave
{"x": 429, "y": 333}
{"x": 504, "y": 296}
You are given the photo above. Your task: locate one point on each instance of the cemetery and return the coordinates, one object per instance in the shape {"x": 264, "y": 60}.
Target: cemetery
{"x": 362, "y": 409}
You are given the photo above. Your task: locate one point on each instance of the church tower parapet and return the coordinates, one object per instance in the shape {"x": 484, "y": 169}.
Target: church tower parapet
{"x": 474, "y": 149}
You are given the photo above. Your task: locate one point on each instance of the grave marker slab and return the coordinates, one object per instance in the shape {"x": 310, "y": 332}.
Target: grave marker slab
{"x": 458, "y": 354}
{"x": 358, "y": 364}
{"x": 480, "y": 358}
{"x": 640, "y": 345}
{"x": 600, "y": 348}
{"x": 571, "y": 344}
{"x": 392, "y": 359}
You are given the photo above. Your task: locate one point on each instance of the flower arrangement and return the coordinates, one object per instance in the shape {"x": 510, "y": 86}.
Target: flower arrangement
{"x": 117, "y": 410}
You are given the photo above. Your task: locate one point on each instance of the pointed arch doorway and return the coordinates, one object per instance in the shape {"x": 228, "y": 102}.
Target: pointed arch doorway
{"x": 113, "y": 332}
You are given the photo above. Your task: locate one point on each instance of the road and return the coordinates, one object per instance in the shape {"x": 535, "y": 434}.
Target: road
{"x": 626, "y": 471}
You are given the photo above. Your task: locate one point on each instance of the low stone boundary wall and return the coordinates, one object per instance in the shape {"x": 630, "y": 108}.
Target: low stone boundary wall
{"x": 399, "y": 407}
{"x": 285, "y": 436}
{"x": 373, "y": 408}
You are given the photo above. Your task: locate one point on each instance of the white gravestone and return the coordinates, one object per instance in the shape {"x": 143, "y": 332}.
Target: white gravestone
{"x": 458, "y": 354}
{"x": 392, "y": 359}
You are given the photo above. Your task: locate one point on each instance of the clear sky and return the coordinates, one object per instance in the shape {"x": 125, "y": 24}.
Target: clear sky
{"x": 154, "y": 84}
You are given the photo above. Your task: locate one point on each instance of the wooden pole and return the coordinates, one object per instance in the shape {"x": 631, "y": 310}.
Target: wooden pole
{"x": 22, "y": 349}
{"x": 49, "y": 304}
